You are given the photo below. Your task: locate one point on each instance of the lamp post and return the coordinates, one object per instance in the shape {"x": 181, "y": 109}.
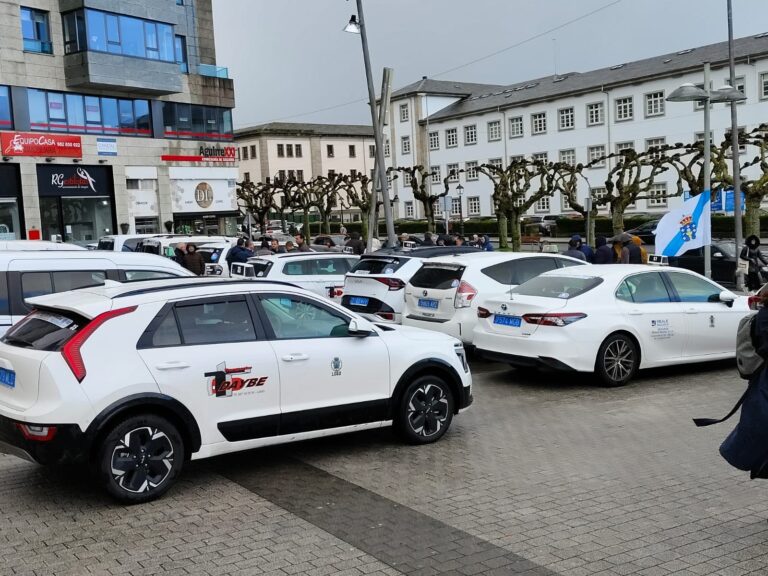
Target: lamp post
{"x": 692, "y": 93}
{"x": 735, "y": 150}
{"x": 356, "y": 25}
{"x": 460, "y": 192}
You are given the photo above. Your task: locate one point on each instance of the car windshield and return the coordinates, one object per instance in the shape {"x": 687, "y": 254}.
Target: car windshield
{"x": 378, "y": 265}
{"x": 210, "y": 255}
{"x": 728, "y": 247}
{"x": 562, "y": 287}
{"x": 106, "y": 244}
{"x": 438, "y": 276}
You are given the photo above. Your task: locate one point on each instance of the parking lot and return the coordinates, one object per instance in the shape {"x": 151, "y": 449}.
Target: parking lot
{"x": 542, "y": 476}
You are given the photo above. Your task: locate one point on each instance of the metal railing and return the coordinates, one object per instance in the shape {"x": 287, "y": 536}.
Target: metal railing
{"x": 213, "y": 71}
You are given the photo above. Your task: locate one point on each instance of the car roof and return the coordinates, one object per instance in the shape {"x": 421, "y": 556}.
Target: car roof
{"x": 496, "y": 257}
{"x": 423, "y": 251}
{"x": 38, "y": 246}
{"x": 79, "y": 255}
{"x": 302, "y": 256}
{"x": 612, "y": 271}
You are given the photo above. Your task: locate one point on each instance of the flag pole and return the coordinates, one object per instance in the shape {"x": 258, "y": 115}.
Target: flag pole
{"x": 707, "y": 169}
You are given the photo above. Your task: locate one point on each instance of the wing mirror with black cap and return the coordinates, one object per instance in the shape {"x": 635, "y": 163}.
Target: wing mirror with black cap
{"x": 726, "y": 297}
{"x": 359, "y": 328}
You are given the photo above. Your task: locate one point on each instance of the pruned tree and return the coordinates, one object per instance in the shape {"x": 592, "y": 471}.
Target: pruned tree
{"x": 257, "y": 199}
{"x": 567, "y": 179}
{"x": 422, "y": 193}
{"x": 358, "y": 194}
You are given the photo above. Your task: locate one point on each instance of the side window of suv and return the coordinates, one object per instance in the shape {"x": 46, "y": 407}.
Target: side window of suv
{"x": 293, "y": 317}
{"x": 214, "y": 322}
{"x": 41, "y": 283}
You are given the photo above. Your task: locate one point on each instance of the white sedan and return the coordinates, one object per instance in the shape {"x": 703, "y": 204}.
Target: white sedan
{"x": 611, "y": 320}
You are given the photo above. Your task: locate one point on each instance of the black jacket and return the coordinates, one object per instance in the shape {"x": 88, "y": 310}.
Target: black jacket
{"x": 604, "y": 255}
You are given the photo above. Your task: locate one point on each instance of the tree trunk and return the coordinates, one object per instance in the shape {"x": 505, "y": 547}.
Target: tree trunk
{"x": 752, "y": 215}
{"x": 325, "y": 217}
{"x": 306, "y": 229}
{"x": 617, "y": 215}
{"x": 503, "y": 233}
{"x": 514, "y": 225}
{"x": 364, "y": 216}
{"x": 429, "y": 214}
{"x": 591, "y": 228}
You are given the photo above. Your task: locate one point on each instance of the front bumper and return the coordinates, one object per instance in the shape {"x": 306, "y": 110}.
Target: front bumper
{"x": 466, "y": 399}
{"x": 68, "y": 444}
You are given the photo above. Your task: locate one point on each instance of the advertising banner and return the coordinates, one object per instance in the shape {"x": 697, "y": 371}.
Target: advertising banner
{"x": 36, "y": 144}
{"x": 64, "y": 180}
{"x": 204, "y": 196}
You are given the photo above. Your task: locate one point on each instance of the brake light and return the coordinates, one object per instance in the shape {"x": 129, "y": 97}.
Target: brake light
{"x": 37, "y": 433}
{"x": 393, "y": 283}
{"x": 464, "y": 295}
{"x": 386, "y": 315}
{"x": 754, "y": 302}
{"x": 483, "y": 312}
{"x": 71, "y": 350}
{"x": 554, "y": 319}
{"x": 335, "y": 292}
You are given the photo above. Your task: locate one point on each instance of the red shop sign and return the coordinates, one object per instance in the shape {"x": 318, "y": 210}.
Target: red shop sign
{"x": 36, "y": 144}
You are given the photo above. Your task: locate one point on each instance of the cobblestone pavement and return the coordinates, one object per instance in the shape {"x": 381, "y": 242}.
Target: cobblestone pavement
{"x": 545, "y": 475}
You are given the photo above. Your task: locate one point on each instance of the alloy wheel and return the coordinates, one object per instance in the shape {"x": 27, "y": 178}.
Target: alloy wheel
{"x": 618, "y": 360}
{"x": 142, "y": 459}
{"x": 427, "y": 410}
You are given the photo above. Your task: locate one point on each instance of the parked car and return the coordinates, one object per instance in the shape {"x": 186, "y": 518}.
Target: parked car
{"x": 27, "y": 274}
{"x": 547, "y": 224}
{"x": 338, "y": 241}
{"x": 38, "y": 246}
{"x": 446, "y": 291}
{"x": 134, "y": 381}
{"x": 215, "y": 256}
{"x": 122, "y": 242}
{"x": 166, "y": 245}
{"x": 611, "y": 320}
{"x": 374, "y": 287}
{"x": 318, "y": 272}
{"x": 646, "y": 231}
{"x": 723, "y": 258}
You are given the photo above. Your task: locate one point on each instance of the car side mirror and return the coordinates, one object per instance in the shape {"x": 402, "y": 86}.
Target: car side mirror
{"x": 356, "y": 328}
{"x": 717, "y": 255}
{"x": 727, "y": 298}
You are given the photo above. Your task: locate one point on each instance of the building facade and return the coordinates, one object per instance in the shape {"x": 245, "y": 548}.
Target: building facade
{"x": 113, "y": 116}
{"x": 298, "y": 151}
{"x": 573, "y": 117}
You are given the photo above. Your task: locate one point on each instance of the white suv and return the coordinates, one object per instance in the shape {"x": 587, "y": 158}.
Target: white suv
{"x": 444, "y": 294}
{"x": 137, "y": 379}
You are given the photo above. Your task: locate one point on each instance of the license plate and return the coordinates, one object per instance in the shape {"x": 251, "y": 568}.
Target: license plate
{"x": 425, "y": 303}
{"x": 513, "y": 321}
{"x": 358, "y": 301}
{"x": 8, "y": 378}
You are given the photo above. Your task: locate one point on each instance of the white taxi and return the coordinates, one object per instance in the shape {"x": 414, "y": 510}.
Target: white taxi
{"x": 611, "y": 320}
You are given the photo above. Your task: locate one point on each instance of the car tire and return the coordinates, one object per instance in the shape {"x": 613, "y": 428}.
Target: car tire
{"x": 140, "y": 458}
{"x": 617, "y": 360}
{"x": 425, "y": 411}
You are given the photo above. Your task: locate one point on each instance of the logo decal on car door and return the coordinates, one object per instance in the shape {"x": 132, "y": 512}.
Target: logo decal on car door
{"x": 224, "y": 382}
{"x": 336, "y": 367}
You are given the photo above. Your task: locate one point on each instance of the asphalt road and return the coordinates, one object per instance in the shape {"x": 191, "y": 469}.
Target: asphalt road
{"x": 544, "y": 475}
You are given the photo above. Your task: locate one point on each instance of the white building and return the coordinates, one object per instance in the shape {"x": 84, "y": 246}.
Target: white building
{"x": 573, "y": 117}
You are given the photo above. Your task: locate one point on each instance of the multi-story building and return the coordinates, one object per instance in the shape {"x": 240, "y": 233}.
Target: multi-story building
{"x": 113, "y": 116}
{"x": 574, "y": 117}
{"x": 288, "y": 151}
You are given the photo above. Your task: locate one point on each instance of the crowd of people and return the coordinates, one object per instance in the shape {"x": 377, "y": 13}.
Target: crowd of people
{"x": 623, "y": 249}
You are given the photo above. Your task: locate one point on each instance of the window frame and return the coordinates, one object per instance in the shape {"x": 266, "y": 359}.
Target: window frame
{"x": 565, "y": 113}
{"x": 470, "y": 201}
{"x": 451, "y": 134}
{"x": 561, "y": 154}
{"x": 405, "y": 113}
{"x": 600, "y": 106}
{"x": 541, "y": 119}
{"x": 626, "y": 102}
{"x": 405, "y": 145}
{"x": 45, "y": 44}
{"x": 269, "y": 333}
{"x": 470, "y": 130}
{"x": 647, "y": 98}
{"x": 433, "y": 139}
{"x": 595, "y": 148}
{"x": 494, "y": 128}
{"x": 516, "y": 122}
{"x": 470, "y": 170}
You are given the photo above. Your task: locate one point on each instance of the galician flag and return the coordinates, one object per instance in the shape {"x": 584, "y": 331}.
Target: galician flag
{"x": 686, "y": 228}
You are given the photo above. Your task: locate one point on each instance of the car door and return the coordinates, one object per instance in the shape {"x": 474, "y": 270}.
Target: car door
{"x": 723, "y": 265}
{"x": 710, "y": 324}
{"x": 658, "y": 321}
{"x": 210, "y": 355}
{"x": 328, "y": 377}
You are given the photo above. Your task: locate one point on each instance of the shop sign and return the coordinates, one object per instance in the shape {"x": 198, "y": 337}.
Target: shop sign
{"x": 106, "y": 146}
{"x": 55, "y": 180}
{"x": 34, "y": 144}
{"x": 211, "y": 195}
{"x": 206, "y": 154}
{"x": 144, "y": 203}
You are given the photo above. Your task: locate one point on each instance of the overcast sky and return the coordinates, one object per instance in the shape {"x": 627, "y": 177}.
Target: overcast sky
{"x": 291, "y": 61}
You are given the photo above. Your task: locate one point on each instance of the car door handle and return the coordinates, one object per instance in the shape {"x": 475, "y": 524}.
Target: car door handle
{"x": 295, "y": 357}
{"x": 635, "y": 312}
{"x": 691, "y": 311}
{"x": 172, "y": 366}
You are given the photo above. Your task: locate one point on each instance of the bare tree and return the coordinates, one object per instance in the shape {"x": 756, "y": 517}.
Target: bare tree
{"x": 418, "y": 180}
{"x": 358, "y": 195}
{"x": 257, "y": 199}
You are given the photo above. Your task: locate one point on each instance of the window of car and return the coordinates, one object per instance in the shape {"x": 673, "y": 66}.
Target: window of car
{"x": 129, "y": 245}
{"x": 35, "y": 284}
{"x": 525, "y": 269}
{"x": 692, "y": 288}
{"x": 215, "y": 322}
{"x": 167, "y": 332}
{"x": 646, "y": 288}
{"x": 437, "y": 276}
{"x": 74, "y": 279}
{"x": 44, "y": 330}
{"x": 378, "y": 265}
{"x": 562, "y": 287}
{"x": 293, "y": 317}
{"x": 139, "y": 275}
{"x": 331, "y": 266}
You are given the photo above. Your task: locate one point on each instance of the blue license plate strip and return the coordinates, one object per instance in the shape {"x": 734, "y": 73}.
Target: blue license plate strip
{"x": 513, "y": 321}
{"x": 7, "y": 378}
{"x": 427, "y": 303}
{"x": 358, "y": 301}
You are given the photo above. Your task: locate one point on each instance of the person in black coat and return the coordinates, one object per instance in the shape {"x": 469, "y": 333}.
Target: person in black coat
{"x": 604, "y": 254}
{"x": 746, "y": 447}
{"x": 751, "y": 253}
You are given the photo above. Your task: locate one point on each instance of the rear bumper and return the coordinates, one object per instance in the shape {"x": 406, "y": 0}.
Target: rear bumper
{"x": 460, "y": 326}
{"x": 524, "y": 361}
{"x": 68, "y": 444}
{"x": 554, "y": 348}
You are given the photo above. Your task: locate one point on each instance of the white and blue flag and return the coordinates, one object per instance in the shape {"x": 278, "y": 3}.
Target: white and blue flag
{"x": 688, "y": 227}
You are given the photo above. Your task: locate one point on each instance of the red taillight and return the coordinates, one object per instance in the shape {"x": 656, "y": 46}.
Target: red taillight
{"x": 36, "y": 432}
{"x": 386, "y": 315}
{"x": 71, "y": 350}
{"x": 554, "y": 319}
{"x": 335, "y": 292}
{"x": 464, "y": 295}
{"x": 754, "y": 302}
{"x": 483, "y": 312}
{"x": 393, "y": 283}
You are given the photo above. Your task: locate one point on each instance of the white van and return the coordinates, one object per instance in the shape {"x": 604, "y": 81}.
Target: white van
{"x": 27, "y": 274}
{"x": 37, "y": 245}
{"x": 121, "y": 242}
{"x": 166, "y": 245}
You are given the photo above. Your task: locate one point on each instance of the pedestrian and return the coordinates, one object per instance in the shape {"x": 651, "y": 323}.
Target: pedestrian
{"x": 630, "y": 252}
{"x": 637, "y": 241}
{"x": 573, "y": 250}
{"x": 604, "y": 254}
{"x": 301, "y": 243}
{"x": 264, "y": 249}
{"x": 234, "y": 253}
{"x": 486, "y": 244}
{"x": 404, "y": 238}
{"x": 356, "y": 244}
{"x": 343, "y": 230}
{"x": 476, "y": 240}
{"x": 459, "y": 241}
{"x": 290, "y": 247}
{"x": 428, "y": 239}
{"x": 586, "y": 249}
{"x": 180, "y": 251}
{"x": 193, "y": 260}
{"x": 752, "y": 254}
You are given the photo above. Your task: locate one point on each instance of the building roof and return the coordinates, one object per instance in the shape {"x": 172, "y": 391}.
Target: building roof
{"x": 574, "y": 83}
{"x": 442, "y": 88}
{"x": 302, "y": 129}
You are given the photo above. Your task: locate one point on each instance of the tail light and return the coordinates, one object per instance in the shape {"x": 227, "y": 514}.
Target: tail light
{"x": 335, "y": 292}
{"x": 393, "y": 283}
{"x": 483, "y": 312}
{"x": 464, "y": 295}
{"x": 37, "y": 433}
{"x": 754, "y": 302}
{"x": 71, "y": 350}
{"x": 386, "y": 315}
{"x": 554, "y": 319}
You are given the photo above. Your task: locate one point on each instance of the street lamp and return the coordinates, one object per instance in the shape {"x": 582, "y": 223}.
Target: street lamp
{"x": 460, "y": 191}
{"x": 692, "y": 93}
{"x": 356, "y": 25}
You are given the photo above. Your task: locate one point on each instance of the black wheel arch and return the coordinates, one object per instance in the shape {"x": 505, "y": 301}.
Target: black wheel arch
{"x": 147, "y": 403}
{"x": 428, "y": 367}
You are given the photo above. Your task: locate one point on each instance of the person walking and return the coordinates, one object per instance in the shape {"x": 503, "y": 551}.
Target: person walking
{"x": 630, "y": 252}
{"x": 180, "y": 251}
{"x": 356, "y": 244}
{"x": 604, "y": 254}
{"x": 301, "y": 242}
{"x": 586, "y": 249}
{"x": 264, "y": 249}
{"x": 193, "y": 260}
{"x": 637, "y": 241}
{"x": 752, "y": 254}
{"x": 573, "y": 249}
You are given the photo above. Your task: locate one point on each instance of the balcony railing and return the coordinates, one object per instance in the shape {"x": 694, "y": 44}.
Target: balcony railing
{"x": 213, "y": 71}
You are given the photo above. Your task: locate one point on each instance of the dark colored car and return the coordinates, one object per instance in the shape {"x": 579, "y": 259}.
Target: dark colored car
{"x": 646, "y": 232}
{"x": 724, "y": 260}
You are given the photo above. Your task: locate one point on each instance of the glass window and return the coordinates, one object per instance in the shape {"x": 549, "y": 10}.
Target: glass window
{"x": 143, "y": 120}
{"x": 691, "y": 288}
{"x": 180, "y": 50}
{"x": 97, "y": 30}
{"x": 563, "y": 287}
{"x": 165, "y": 42}
{"x": 127, "y": 123}
{"x": 183, "y": 117}
{"x": 215, "y": 322}
{"x": 42, "y": 330}
{"x": 74, "y": 279}
{"x": 5, "y": 107}
{"x": 35, "y": 31}
{"x": 526, "y": 268}
{"x": 113, "y": 34}
{"x": 92, "y": 110}
{"x": 167, "y": 333}
{"x": 150, "y": 37}
{"x": 75, "y": 113}
{"x": 437, "y": 276}
{"x": 292, "y": 317}
{"x": 132, "y": 37}
{"x": 56, "y": 109}
{"x": 35, "y": 284}
{"x": 109, "y": 115}
{"x": 198, "y": 120}
{"x": 645, "y": 288}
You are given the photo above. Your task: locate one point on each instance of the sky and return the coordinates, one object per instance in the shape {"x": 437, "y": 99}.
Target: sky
{"x": 291, "y": 62}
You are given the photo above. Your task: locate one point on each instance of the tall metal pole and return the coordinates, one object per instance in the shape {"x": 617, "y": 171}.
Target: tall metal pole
{"x": 377, "y": 136}
{"x": 373, "y": 217}
{"x": 707, "y": 163}
{"x": 735, "y": 150}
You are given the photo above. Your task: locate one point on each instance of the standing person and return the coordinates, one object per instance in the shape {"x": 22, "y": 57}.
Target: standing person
{"x": 637, "y": 241}
{"x": 275, "y": 247}
{"x": 586, "y": 249}
{"x": 264, "y": 249}
{"x": 751, "y": 253}
{"x": 476, "y": 241}
{"x": 301, "y": 242}
{"x": 357, "y": 245}
{"x": 630, "y": 252}
{"x": 180, "y": 252}
{"x": 193, "y": 261}
{"x": 459, "y": 241}
{"x": 234, "y": 253}
{"x": 343, "y": 230}
{"x": 290, "y": 247}
{"x": 573, "y": 250}
{"x": 404, "y": 238}
{"x": 604, "y": 253}
{"x": 486, "y": 244}
{"x": 428, "y": 239}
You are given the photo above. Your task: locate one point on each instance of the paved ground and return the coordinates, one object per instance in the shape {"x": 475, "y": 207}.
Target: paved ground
{"x": 543, "y": 476}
